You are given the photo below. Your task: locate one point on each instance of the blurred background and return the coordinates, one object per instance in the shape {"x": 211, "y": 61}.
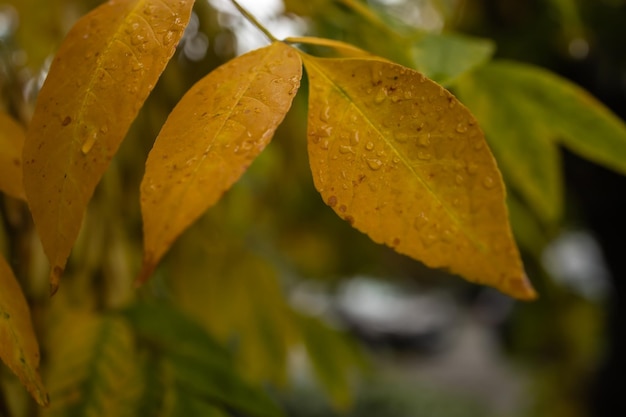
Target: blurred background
{"x": 383, "y": 335}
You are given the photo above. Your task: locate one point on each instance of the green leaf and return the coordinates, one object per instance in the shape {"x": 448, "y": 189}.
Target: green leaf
{"x": 198, "y": 364}
{"x": 334, "y": 357}
{"x": 92, "y": 367}
{"x": 526, "y": 112}
{"x": 444, "y": 57}
{"x": 236, "y": 295}
{"x": 521, "y": 141}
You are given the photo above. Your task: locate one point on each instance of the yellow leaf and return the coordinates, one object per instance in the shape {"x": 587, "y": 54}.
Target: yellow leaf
{"x": 399, "y": 158}
{"x": 11, "y": 144}
{"x": 18, "y": 343}
{"x": 209, "y": 140}
{"x": 103, "y": 72}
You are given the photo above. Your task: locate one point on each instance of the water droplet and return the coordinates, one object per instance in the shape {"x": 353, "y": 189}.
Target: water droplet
{"x": 354, "y": 140}
{"x": 325, "y": 114}
{"x": 472, "y": 168}
{"x": 408, "y": 94}
{"x": 459, "y": 179}
{"x": 104, "y": 129}
{"x": 89, "y": 143}
{"x": 369, "y": 146}
{"x": 461, "y": 128}
{"x": 137, "y": 39}
{"x": 380, "y": 97}
{"x": 325, "y": 144}
{"x": 424, "y": 156}
{"x": 488, "y": 182}
{"x": 345, "y": 149}
{"x": 448, "y": 235}
{"x": 374, "y": 164}
{"x": 424, "y": 141}
{"x": 377, "y": 75}
{"x": 421, "y": 221}
{"x": 401, "y": 137}
{"x": 168, "y": 38}
{"x": 137, "y": 66}
{"x": 429, "y": 239}
{"x": 479, "y": 144}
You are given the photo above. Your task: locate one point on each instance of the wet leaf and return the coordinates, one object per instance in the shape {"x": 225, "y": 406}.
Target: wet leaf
{"x": 18, "y": 344}
{"x": 399, "y": 158}
{"x": 11, "y": 144}
{"x": 526, "y": 112}
{"x": 103, "y": 72}
{"x": 209, "y": 140}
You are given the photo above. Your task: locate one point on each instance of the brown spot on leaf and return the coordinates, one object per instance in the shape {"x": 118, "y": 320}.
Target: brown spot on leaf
{"x": 332, "y": 201}
{"x": 66, "y": 121}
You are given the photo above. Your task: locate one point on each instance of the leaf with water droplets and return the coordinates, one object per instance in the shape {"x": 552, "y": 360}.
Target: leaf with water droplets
{"x": 419, "y": 176}
{"x": 11, "y": 144}
{"x": 209, "y": 140}
{"x": 100, "y": 77}
{"x": 18, "y": 344}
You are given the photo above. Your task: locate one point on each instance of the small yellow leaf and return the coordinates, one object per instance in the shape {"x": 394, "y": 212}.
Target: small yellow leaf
{"x": 11, "y": 144}
{"x": 399, "y": 158}
{"x": 103, "y": 72}
{"x": 18, "y": 343}
{"x": 209, "y": 140}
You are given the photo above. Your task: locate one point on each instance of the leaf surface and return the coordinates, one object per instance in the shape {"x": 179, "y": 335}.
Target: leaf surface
{"x": 526, "y": 112}
{"x": 103, "y": 72}
{"x": 19, "y": 349}
{"x": 209, "y": 140}
{"x": 93, "y": 366}
{"x": 11, "y": 144}
{"x": 202, "y": 370}
{"x": 445, "y": 56}
{"x": 399, "y": 158}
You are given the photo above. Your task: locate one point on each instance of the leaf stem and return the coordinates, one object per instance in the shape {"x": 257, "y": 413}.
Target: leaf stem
{"x": 250, "y": 18}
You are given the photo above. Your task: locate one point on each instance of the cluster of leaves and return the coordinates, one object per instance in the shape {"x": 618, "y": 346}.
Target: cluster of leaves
{"x": 391, "y": 151}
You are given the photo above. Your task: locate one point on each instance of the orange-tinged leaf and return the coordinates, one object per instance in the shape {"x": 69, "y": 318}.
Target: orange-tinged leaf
{"x": 103, "y": 72}
{"x": 11, "y": 144}
{"x": 209, "y": 140}
{"x": 18, "y": 343}
{"x": 398, "y": 157}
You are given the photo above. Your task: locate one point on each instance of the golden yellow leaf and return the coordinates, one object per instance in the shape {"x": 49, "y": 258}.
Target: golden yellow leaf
{"x": 399, "y": 158}
{"x": 345, "y": 49}
{"x": 11, "y": 144}
{"x": 209, "y": 140}
{"x": 103, "y": 72}
{"x": 18, "y": 343}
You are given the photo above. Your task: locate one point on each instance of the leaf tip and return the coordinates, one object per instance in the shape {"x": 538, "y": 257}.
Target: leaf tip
{"x": 521, "y": 288}
{"x": 55, "y": 278}
{"x": 147, "y": 268}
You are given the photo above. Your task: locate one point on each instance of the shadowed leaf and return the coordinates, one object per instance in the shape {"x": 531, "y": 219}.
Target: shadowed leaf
{"x": 201, "y": 369}
{"x": 398, "y": 157}
{"x": 11, "y": 145}
{"x": 92, "y": 369}
{"x": 101, "y": 75}
{"x": 209, "y": 140}
{"x": 18, "y": 343}
{"x": 526, "y": 112}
